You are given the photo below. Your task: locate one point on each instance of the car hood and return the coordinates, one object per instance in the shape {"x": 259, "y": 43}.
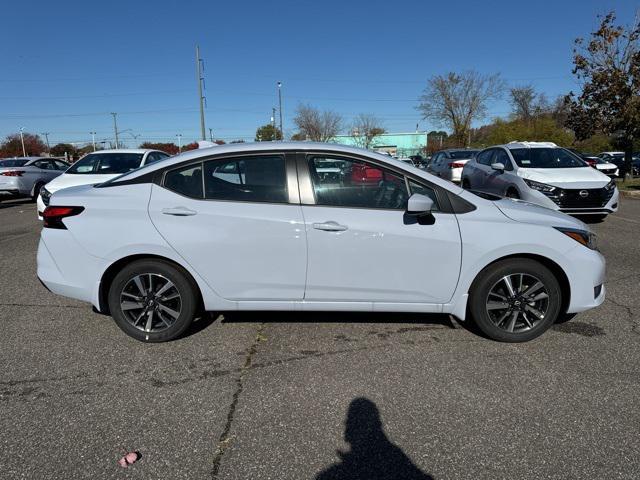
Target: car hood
{"x": 67, "y": 180}
{"x": 526, "y": 212}
{"x": 580, "y": 177}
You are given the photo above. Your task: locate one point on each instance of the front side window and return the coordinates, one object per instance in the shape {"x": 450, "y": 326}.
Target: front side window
{"x": 186, "y": 181}
{"x": 426, "y": 191}
{"x": 546, "y": 158}
{"x": 260, "y": 178}
{"x": 107, "y": 163}
{"x": 60, "y": 165}
{"x": 485, "y": 156}
{"x": 342, "y": 182}
{"x": 502, "y": 157}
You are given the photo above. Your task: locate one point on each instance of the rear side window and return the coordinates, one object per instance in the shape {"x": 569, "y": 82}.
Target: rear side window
{"x": 343, "y": 182}
{"x": 186, "y": 181}
{"x": 260, "y": 178}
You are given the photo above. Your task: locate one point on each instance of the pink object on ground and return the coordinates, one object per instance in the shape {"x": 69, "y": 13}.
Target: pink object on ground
{"x": 129, "y": 459}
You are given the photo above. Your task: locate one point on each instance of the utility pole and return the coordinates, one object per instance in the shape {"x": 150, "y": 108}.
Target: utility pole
{"x": 24, "y": 152}
{"x": 211, "y": 134}
{"x": 46, "y": 136}
{"x": 273, "y": 123}
{"x": 179, "y": 135}
{"x": 280, "y": 105}
{"x": 115, "y": 127}
{"x": 199, "y": 70}
{"x": 93, "y": 140}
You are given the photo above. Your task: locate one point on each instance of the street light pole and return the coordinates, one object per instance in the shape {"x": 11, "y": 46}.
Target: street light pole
{"x": 273, "y": 123}
{"x": 46, "y": 136}
{"x": 93, "y": 140}
{"x": 115, "y": 127}
{"x": 179, "y": 135}
{"x": 200, "y": 97}
{"x": 280, "y": 105}
{"x": 24, "y": 152}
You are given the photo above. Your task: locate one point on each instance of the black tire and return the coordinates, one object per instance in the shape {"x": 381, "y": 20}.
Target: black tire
{"x": 465, "y": 184}
{"x": 489, "y": 281}
{"x": 159, "y": 270}
{"x": 513, "y": 193}
{"x": 36, "y": 191}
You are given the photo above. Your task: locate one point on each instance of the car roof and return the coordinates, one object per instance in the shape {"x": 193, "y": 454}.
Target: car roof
{"x": 126, "y": 150}
{"x": 513, "y": 145}
{"x": 231, "y": 148}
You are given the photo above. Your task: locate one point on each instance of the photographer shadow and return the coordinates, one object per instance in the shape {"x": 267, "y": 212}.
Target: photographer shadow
{"x": 372, "y": 455}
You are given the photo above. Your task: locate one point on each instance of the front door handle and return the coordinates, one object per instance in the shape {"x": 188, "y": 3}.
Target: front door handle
{"x": 179, "y": 211}
{"x": 330, "y": 226}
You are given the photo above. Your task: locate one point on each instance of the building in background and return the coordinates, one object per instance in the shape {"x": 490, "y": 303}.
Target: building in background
{"x": 396, "y": 144}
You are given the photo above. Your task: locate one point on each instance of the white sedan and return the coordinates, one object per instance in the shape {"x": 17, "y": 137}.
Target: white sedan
{"x": 256, "y": 227}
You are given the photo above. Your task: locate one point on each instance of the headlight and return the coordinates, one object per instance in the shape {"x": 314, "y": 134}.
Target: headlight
{"x": 46, "y": 195}
{"x": 541, "y": 187}
{"x": 611, "y": 185}
{"x": 588, "y": 239}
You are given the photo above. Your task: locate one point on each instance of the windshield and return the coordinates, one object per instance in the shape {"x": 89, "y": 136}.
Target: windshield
{"x": 460, "y": 154}
{"x": 546, "y": 158}
{"x": 107, "y": 163}
{"x": 13, "y": 163}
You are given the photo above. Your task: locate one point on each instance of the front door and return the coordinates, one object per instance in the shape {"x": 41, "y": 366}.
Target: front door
{"x": 233, "y": 220}
{"x": 362, "y": 246}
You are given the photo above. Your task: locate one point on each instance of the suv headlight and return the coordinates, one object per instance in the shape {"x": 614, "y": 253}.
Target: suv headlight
{"x": 541, "y": 187}
{"x": 611, "y": 185}
{"x": 586, "y": 238}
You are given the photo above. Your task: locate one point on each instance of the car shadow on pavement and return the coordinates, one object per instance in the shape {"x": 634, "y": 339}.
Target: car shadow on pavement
{"x": 336, "y": 317}
{"x": 372, "y": 456}
{"x": 4, "y": 203}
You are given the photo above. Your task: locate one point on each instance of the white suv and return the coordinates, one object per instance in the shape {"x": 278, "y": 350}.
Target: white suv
{"x": 542, "y": 173}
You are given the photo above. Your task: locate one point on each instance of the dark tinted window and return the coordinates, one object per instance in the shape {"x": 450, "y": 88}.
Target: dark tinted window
{"x": 13, "y": 163}
{"x": 260, "y": 178}
{"x": 107, "y": 163}
{"x": 426, "y": 191}
{"x": 44, "y": 164}
{"x": 186, "y": 181}
{"x": 343, "y": 182}
{"x": 485, "y": 156}
{"x": 154, "y": 157}
{"x": 60, "y": 165}
{"x": 462, "y": 154}
{"x": 502, "y": 157}
{"x": 545, "y": 158}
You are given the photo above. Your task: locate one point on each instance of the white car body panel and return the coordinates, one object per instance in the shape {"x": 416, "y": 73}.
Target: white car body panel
{"x": 258, "y": 256}
{"x": 586, "y": 177}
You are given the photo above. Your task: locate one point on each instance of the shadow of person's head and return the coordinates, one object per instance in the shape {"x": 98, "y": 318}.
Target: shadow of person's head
{"x": 372, "y": 455}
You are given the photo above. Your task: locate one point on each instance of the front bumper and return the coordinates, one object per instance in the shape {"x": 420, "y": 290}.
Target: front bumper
{"x": 585, "y": 270}
{"x": 575, "y": 206}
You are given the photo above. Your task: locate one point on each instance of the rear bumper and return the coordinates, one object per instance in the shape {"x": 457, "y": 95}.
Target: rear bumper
{"x": 78, "y": 282}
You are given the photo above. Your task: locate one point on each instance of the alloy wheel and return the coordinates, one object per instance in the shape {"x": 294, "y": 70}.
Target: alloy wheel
{"x": 517, "y": 302}
{"x": 150, "y": 302}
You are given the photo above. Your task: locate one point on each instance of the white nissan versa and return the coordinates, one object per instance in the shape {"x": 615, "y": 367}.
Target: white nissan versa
{"x": 264, "y": 227}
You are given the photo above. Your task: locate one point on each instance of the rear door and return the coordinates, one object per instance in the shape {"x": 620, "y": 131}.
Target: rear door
{"x": 363, "y": 248}
{"x": 238, "y": 222}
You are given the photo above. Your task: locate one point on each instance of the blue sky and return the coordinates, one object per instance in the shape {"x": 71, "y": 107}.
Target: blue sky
{"x": 67, "y": 64}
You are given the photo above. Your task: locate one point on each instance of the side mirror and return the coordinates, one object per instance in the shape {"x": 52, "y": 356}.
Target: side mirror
{"x": 419, "y": 205}
{"x": 498, "y": 166}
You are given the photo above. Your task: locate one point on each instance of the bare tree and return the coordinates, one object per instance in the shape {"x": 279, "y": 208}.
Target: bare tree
{"x": 316, "y": 125}
{"x": 365, "y": 128}
{"x": 455, "y": 100}
{"x": 522, "y": 101}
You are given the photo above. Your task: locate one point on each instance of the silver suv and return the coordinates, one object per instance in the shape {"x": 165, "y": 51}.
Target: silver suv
{"x": 542, "y": 173}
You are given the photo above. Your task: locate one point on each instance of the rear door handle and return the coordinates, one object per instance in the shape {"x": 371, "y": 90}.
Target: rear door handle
{"x": 179, "y": 211}
{"x": 330, "y": 226}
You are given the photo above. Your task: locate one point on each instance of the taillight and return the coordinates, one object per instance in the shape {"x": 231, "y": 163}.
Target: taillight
{"x": 52, "y": 216}
{"x": 13, "y": 173}
{"x": 456, "y": 165}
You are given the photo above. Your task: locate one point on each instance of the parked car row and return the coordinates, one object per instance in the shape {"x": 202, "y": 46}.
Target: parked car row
{"x": 25, "y": 176}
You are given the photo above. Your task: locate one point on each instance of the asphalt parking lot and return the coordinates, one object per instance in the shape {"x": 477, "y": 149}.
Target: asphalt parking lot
{"x": 327, "y": 395}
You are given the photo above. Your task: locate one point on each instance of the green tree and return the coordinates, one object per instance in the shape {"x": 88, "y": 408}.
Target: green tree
{"x": 268, "y": 133}
{"x": 608, "y": 67}
{"x": 12, "y": 145}
{"x": 60, "y": 149}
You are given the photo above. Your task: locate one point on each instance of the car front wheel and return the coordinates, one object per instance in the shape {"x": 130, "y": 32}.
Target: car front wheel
{"x": 152, "y": 300}
{"x": 515, "y": 300}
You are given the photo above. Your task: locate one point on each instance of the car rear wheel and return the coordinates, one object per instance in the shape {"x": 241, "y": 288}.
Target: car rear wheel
{"x": 465, "y": 184}
{"x": 152, "y": 300}
{"x": 515, "y": 300}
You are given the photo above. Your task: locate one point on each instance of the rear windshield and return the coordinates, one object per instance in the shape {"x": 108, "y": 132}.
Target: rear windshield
{"x": 13, "y": 163}
{"x": 546, "y": 158}
{"x": 107, "y": 163}
{"x": 461, "y": 154}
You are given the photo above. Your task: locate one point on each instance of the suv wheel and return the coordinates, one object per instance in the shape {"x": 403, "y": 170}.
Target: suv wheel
{"x": 152, "y": 300}
{"x": 515, "y": 300}
{"x": 465, "y": 184}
